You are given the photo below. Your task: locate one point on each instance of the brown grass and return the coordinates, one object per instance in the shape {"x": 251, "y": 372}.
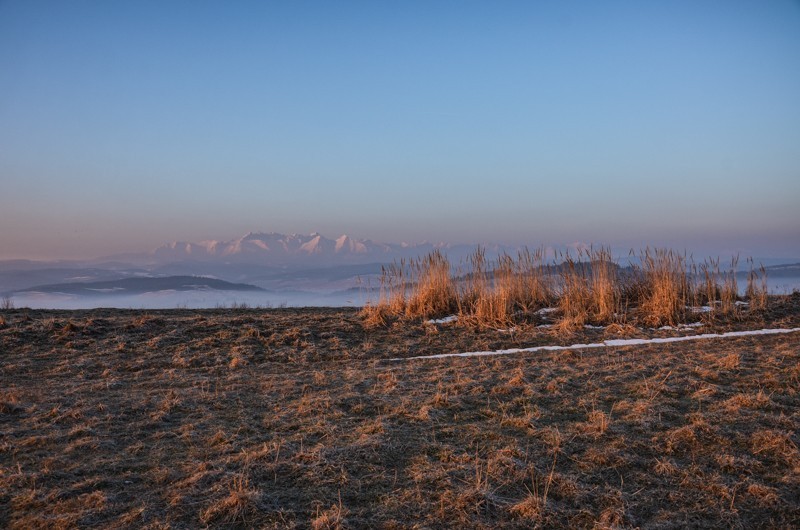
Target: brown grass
{"x": 238, "y": 506}
{"x": 662, "y": 288}
{"x": 433, "y": 291}
{"x": 756, "y": 292}
{"x": 414, "y": 288}
{"x": 312, "y": 427}
{"x": 589, "y": 290}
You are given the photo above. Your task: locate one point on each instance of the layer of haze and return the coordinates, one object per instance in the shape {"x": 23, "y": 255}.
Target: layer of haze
{"x": 127, "y": 124}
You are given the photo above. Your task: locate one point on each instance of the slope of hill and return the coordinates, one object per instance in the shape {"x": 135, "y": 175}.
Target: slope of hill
{"x": 143, "y": 285}
{"x": 297, "y": 419}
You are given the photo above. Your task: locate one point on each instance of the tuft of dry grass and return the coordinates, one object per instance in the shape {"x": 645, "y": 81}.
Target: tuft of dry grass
{"x": 6, "y": 303}
{"x": 764, "y": 495}
{"x": 493, "y": 294}
{"x": 334, "y": 518}
{"x": 375, "y": 315}
{"x": 589, "y": 290}
{"x": 720, "y": 290}
{"x": 574, "y": 294}
{"x": 417, "y": 288}
{"x": 433, "y": 293}
{"x": 477, "y": 300}
{"x": 663, "y": 287}
{"x": 774, "y": 443}
{"x": 534, "y": 505}
{"x": 730, "y": 361}
{"x": 605, "y": 287}
{"x": 756, "y": 291}
{"x": 240, "y": 504}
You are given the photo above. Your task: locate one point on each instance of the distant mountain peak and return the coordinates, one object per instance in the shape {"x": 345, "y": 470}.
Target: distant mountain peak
{"x": 316, "y": 245}
{"x": 347, "y": 244}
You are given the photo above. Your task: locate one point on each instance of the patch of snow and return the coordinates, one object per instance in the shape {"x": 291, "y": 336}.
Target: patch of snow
{"x": 680, "y": 326}
{"x": 703, "y": 309}
{"x": 589, "y": 326}
{"x": 546, "y": 310}
{"x": 606, "y": 344}
{"x": 445, "y": 320}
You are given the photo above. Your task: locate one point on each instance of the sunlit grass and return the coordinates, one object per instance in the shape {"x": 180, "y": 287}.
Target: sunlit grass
{"x": 660, "y": 287}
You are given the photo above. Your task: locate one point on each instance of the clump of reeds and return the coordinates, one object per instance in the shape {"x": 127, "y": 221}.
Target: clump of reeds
{"x": 662, "y": 287}
{"x": 574, "y": 295}
{"x": 756, "y": 291}
{"x": 589, "y": 289}
{"x": 420, "y": 287}
{"x": 391, "y": 298}
{"x": 729, "y": 290}
{"x": 532, "y": 286}
{"x": 605, "y": 287}
{"x": 494, "y": 294}
{"x": 485, "y": 297}
{"x": 477, "y": 299}
{"x": 393, "y": 287}
{"x": 433, "y": 292}
{"x": 719, "y": 289}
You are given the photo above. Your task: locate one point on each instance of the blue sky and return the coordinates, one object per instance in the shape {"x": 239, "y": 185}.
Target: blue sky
{"x": 127, "y": 124}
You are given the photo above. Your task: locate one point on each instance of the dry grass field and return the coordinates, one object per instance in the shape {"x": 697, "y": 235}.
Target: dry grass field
{"x": 295, "y": 418}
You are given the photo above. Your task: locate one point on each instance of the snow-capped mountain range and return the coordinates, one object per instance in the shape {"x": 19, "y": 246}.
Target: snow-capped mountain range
{"x": 278, "y": 249}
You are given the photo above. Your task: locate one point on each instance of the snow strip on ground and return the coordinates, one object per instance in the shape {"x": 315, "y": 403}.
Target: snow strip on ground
{"x": 682, "y": 326}
{"x": 605, "y": 344}
{"x": 445, "y": 320}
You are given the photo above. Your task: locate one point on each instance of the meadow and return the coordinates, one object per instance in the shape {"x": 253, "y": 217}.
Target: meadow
{"x": 319, "y": 418}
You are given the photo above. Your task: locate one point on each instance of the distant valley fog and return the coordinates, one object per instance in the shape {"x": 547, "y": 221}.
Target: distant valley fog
{"x": 211, "y": 298}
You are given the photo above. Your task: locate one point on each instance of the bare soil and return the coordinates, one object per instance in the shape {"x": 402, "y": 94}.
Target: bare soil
{"x": 295, "y": 418}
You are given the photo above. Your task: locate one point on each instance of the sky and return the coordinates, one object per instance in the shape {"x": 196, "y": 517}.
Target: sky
{"x": 124, "y": 125}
